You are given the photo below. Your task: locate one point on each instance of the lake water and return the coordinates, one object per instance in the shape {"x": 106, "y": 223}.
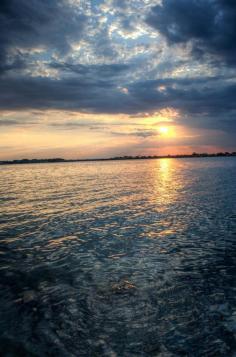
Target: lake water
{"x": 119, "y": 258}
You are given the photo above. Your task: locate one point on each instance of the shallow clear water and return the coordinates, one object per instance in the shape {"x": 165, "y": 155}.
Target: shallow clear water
{"x": 119, "y": 258}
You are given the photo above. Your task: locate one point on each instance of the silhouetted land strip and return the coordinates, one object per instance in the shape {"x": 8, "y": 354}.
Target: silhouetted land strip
{"x": 54, "y": 160}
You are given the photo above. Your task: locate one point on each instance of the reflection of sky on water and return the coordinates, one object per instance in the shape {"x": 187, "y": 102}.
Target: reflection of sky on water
{"x": 119, "y": 258}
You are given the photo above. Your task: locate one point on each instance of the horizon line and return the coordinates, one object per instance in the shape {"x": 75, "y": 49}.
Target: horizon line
{"x": 125, "y": 157}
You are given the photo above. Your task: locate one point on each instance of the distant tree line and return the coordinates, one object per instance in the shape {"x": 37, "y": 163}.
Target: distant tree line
{"x": 139, "y": 157}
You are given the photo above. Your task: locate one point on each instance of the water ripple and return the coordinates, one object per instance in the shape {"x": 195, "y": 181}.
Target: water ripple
{"x": 119, "y": 259}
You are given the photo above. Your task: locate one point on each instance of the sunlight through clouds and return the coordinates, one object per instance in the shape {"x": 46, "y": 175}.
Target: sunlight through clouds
{"x": 110, "y": 68}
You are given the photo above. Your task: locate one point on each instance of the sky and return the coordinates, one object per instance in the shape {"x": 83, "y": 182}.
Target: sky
{"x": 103, "y": 78}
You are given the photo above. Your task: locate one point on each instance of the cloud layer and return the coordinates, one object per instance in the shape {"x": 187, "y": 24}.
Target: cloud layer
{"x": 130, "y": 58}
{"x": 208, "y": 25}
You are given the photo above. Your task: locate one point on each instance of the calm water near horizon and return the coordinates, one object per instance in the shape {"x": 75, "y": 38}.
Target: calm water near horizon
{"x": 118, "y": 258}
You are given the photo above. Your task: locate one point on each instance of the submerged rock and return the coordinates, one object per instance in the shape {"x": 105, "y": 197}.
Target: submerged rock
{"x": 123, "y": 286}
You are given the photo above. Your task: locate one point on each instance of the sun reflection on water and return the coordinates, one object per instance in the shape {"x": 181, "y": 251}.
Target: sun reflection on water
{"x": 163, "y": 190}
{"x": 167, "y": 187}
{"x": 134, "y": 251}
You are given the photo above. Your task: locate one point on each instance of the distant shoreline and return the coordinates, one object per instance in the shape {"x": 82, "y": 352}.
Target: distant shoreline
{"x": 117, "y": 158}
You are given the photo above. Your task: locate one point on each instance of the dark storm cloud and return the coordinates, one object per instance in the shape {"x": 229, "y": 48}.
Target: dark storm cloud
{"x": 192, "y": 95}
{"x": 196, "y": 98}
{"x": 101, "y": 70}
{"x": 87, "y": 93}
{"x": 24, "y": 24}
{"x": 210, "y": 26}
{"x": 16, "y": 63}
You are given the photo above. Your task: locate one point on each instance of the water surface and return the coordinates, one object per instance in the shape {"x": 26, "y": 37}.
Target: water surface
{"x": 119, "y": 258}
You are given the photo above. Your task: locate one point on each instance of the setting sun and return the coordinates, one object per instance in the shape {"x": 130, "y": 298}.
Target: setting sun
{"x": 163, "y": 130}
